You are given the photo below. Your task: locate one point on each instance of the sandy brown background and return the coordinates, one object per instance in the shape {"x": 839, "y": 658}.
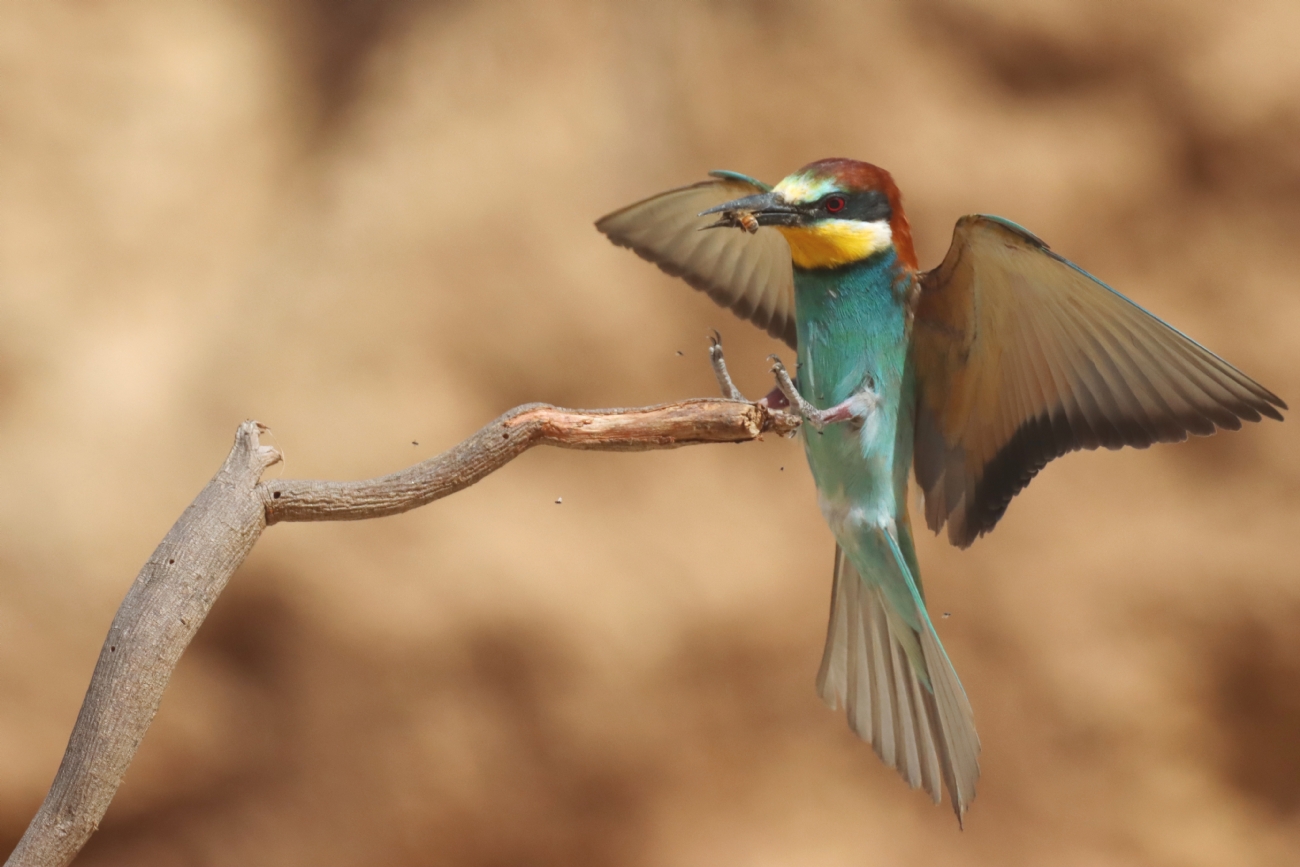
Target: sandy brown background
{"x": 368, "y": 225}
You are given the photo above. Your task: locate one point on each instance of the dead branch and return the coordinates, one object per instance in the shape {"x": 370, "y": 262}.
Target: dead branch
{"x": 179, "y": 584}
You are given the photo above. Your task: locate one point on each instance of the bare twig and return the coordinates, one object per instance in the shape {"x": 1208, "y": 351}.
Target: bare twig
{"x": 179, "y": 584}
{"x": 656, "y": 427}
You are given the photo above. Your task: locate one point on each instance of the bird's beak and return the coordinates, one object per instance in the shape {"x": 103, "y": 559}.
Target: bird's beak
{"x": 768, "y": 209}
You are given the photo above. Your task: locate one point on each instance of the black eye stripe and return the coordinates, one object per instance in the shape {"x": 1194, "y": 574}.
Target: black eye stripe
{"x": 869, "y": 207}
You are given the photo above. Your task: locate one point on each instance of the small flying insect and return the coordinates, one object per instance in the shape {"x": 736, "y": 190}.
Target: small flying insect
{"x": 745, "y": 220}
{"x": 739, "y": 218}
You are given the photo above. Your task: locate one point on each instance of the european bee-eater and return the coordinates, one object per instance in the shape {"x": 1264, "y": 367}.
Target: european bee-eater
{"x": 976, "y": 374}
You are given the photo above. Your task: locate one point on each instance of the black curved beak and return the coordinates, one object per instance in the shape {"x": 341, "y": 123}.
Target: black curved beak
{"x": 767, "y": 209}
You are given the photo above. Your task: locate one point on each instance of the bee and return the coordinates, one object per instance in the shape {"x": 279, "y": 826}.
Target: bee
{"x": 744, "y": 219}
{"x": 737, "y": 219}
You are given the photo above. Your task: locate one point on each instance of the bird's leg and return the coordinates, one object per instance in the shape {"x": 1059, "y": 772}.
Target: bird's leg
{"x": 729, "y": 390}
{"x": 774, "y": 400}
{"x": 801, "y": 407}
{"x": 854, "y": 410}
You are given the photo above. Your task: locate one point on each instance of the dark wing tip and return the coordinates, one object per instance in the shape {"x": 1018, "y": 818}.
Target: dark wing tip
{"x": 1035, "y": 443}
{"x": 1045, "y": 438}
{"x": 602, "y": 226}
{"x": 1271, "y": 405}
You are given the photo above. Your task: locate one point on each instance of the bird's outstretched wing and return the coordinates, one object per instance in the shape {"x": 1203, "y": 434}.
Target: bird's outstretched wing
{"x": 750, "y": 274}
{"x": 1021, "y": 357}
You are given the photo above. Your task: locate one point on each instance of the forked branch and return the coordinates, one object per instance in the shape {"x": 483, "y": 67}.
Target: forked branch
{"x": 179, "y": 584}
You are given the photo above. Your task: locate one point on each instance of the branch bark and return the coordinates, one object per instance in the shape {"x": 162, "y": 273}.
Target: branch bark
{"x": 178, "y": 585}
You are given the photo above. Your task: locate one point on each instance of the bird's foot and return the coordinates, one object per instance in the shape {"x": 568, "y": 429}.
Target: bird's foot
{"x": 855, "y": 410}
{"x": 802, "y": 408}
{"x": 774, "y": 401}
{"x": 729, "y": 390}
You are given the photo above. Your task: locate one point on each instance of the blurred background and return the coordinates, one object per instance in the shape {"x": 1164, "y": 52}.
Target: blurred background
{"x": 368, "y": 225}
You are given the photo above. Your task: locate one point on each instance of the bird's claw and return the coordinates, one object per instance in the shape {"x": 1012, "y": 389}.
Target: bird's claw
{"x": 801, "y": 407}
{"x": 855, "y": 410}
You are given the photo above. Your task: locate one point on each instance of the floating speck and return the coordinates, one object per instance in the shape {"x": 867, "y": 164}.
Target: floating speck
{"x": 679, "y": 352}
{"x": 783, "y": 469}
{"x": 947, "y": 614}
{"x": 414, "y": 443}
{"x": 559, "y": 500}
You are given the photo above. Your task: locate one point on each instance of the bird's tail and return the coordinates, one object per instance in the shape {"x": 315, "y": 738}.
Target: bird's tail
{"x": 895, "y": 680}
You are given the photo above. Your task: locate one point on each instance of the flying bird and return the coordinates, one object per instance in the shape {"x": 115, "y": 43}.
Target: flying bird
{"x": 973, "y": 375}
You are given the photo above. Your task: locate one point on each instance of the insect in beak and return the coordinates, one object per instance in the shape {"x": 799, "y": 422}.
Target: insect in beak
{"x": 747, "y": 214}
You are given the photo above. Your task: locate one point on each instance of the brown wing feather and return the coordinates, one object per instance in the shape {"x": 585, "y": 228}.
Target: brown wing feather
{"x": 1022, "y": 357}
{"x": 749, "y": 274}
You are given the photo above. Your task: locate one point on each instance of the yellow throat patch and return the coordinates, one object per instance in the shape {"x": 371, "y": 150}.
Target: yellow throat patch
{"x": 832, "y": 243}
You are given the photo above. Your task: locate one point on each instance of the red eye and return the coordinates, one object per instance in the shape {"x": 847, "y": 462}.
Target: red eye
{"x": 835, "y": 204}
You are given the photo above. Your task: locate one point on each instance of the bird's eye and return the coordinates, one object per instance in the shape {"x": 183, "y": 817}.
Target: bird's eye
{"x": 835, "y": 204}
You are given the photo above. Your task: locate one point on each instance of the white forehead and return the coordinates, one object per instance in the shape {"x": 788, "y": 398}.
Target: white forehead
{"x": 802, "y": 189}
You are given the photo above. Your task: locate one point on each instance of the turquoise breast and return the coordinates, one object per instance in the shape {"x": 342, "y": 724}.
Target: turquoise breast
{"x": 852, "y": 327}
